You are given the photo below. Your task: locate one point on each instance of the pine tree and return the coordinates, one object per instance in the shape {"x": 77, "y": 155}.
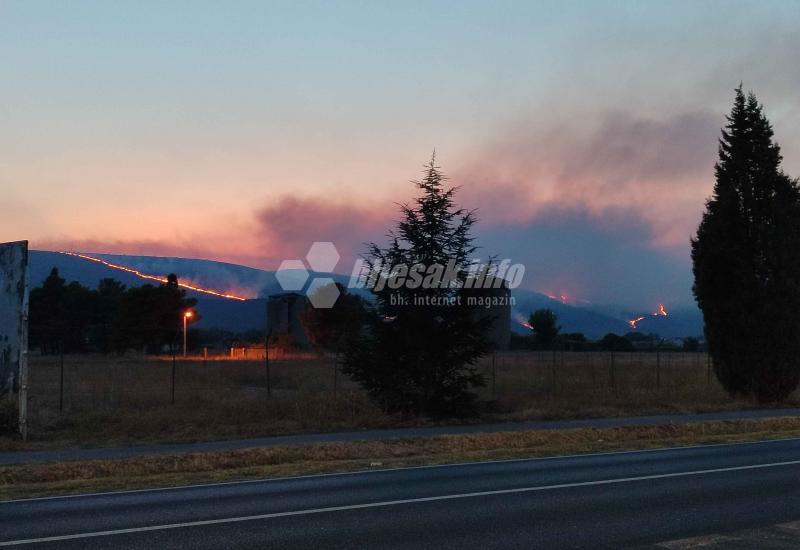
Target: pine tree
{"x": 746, "y": 260}
{"x": 419, "y": 352}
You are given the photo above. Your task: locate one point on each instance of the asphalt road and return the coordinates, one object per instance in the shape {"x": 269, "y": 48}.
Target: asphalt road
{"x": 19, "y": 457}
{"x": 609, "y": 500}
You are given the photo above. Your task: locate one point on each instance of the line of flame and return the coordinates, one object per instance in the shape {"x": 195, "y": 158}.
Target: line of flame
{"x": 660, "y": 312}
{"x": 522, "y": 321}
{"x": 159, "y": 278}
{"x": 633, "y": 322}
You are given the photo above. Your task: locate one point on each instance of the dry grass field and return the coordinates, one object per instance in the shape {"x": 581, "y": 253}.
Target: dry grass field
{"x": 119, "y": 400}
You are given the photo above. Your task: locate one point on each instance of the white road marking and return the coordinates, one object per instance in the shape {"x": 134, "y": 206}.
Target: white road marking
{"x": 388, "y": 470}
{"x": 387, "y": 503}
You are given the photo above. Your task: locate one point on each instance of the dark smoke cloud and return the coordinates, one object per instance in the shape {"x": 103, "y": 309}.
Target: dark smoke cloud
{"x": 661, "y": 168}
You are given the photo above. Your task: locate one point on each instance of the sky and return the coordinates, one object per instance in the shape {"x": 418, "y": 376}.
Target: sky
{"x": 584, "y": 133}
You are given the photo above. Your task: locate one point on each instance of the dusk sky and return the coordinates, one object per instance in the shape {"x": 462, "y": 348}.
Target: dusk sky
{"x": 585, "y": 133}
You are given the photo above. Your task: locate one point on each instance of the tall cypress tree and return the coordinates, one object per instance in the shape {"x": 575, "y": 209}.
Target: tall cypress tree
{"x": 747, "y": 261}
{"x": 419, "y": 352}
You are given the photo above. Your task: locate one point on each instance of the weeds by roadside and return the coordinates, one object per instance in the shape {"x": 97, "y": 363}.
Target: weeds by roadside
{"x": 162, "y": 470}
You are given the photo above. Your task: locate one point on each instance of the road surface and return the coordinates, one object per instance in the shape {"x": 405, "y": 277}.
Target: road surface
{"x": 20, "y": 457}
{"x": 607, "y": 500}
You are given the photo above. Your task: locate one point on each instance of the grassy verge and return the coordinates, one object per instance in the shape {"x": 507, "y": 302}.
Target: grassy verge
{"x": 162, "y": 470}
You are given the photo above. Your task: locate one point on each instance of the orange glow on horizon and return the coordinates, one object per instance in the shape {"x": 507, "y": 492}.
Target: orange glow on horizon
{"x": 157, "y": 278}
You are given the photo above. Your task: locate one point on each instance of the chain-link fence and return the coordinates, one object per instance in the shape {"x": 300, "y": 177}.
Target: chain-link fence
{"x": 89, "y": 382}
{"x": 95, "y": 398}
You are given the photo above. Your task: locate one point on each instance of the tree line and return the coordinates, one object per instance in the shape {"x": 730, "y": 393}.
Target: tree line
{"x": 545, "y": 334}
{"x": 68, "y": 318}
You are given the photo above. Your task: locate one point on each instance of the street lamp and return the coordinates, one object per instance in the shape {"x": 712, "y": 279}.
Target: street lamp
{"x": 186, "y": 316}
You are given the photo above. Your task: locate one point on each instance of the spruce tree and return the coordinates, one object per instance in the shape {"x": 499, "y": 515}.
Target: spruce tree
{"x": 746, "y": 258}
{"x": 419, "y": 351}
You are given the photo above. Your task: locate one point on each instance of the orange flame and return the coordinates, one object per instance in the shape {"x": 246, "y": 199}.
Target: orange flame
{"x": 660, "y": 312}
{"x": 633, "y": 322}
{"x": 563, "y": 298}
{"x": 521, "y": 320}
{"x": 158, "y": 278}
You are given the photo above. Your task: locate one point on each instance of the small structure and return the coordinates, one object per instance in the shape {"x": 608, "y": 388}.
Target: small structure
{"x": 14, "y": 326}
{"x": 285, "y": 318}
{"x": 13, "y": 312}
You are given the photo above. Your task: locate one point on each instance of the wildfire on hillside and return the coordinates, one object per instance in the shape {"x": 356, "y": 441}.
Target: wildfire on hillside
{"x": 157, "y": 278}
{"x": 661, "y": 311}
{"x": 633, "y": 322}
{"x": 522, "y": 321}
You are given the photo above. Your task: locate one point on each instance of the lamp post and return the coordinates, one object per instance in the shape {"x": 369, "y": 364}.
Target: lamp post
{"x": 186, "y": 316}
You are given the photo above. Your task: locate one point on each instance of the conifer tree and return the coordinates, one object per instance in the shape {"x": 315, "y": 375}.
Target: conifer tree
{"x": 419, "y": 351}
{"x": 746, "y": 258}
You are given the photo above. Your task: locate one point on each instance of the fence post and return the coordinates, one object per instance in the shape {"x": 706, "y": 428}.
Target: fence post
{"x": 494, "y": 374}
{"x": 61, "y": 379}
{"x": 613, "y": 379}
{"x": 266, "y": 363}
{"x": 658, "y": 368}
{"x": 534, "y": 357}
{"x": 335, "y": 371}
{"x": 173, "y": 373}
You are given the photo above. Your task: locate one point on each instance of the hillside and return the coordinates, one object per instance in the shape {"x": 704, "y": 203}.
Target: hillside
{"x": 257, "y": 284}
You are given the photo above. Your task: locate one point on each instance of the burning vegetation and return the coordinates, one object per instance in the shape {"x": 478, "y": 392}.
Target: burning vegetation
{"x": 158, "y": 278}
{"x": 661, "y": 311}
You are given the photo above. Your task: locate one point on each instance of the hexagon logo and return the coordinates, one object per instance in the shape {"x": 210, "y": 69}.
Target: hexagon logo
{"x": 322, "y": 257}
{"x": 292, "y": 275}
{"x": 322, "y": 292}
